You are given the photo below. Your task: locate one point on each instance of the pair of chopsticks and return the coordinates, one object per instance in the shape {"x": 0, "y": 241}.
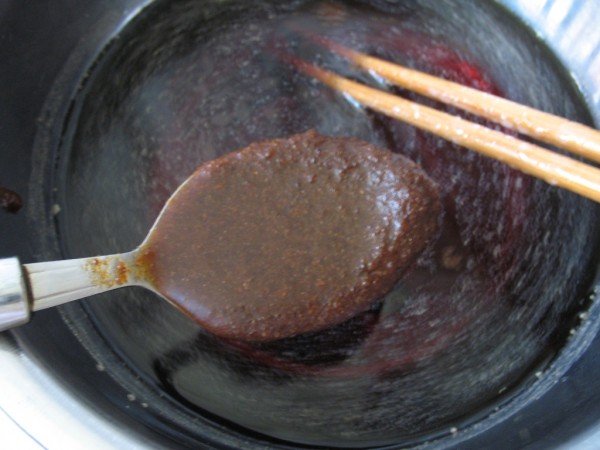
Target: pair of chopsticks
{"x": 540, "y": 162}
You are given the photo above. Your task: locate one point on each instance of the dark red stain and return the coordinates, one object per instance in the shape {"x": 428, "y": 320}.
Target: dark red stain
{"x": 10, "y": 201}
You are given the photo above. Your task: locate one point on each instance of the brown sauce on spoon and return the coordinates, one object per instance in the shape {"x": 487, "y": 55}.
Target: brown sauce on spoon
{"x": 290, "y": 235}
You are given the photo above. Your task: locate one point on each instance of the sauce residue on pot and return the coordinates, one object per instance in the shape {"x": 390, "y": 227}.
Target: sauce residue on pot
{"x": 9, "y": 200}
{"x": 290, "y": 235}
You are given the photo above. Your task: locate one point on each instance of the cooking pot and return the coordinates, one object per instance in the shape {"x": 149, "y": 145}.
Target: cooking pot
{"x": 107, "y": 106}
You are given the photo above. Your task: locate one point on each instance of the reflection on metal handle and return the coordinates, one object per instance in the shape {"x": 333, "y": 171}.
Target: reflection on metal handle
{"x": 14, "y": 304}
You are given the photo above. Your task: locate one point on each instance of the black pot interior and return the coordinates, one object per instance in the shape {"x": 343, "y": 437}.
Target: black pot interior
{"x": 473, "y": 324}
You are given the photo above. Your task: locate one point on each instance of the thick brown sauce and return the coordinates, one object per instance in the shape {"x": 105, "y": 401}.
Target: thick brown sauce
{"x": 290, "y": 236}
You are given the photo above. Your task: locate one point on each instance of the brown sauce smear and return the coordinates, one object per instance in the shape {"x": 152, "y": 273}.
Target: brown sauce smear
{"x": 290, "y": 235}
{"x": 9, "y": 200}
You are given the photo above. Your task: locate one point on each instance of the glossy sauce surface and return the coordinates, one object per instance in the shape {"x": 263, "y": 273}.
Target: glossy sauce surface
{"x": 291, "y": 235}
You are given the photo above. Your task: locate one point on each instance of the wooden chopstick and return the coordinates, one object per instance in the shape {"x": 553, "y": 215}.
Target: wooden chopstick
{"x": 542, "y": 163}
{"x": 558, "y": 131}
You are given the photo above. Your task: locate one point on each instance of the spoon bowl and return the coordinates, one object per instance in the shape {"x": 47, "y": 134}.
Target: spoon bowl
{"x": 282, "y": 238}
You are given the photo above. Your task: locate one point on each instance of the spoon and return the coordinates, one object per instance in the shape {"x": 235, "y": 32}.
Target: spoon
{"x": 281, "y": 238}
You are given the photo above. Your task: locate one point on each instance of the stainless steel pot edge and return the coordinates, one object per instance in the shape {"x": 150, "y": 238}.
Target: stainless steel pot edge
{"x": 51, "y": 414}
{"x": 569, "y": 28}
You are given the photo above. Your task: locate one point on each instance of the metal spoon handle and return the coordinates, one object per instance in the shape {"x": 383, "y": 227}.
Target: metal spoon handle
{"x": 31, "y": 287}
{"x": 14, "y": 302}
